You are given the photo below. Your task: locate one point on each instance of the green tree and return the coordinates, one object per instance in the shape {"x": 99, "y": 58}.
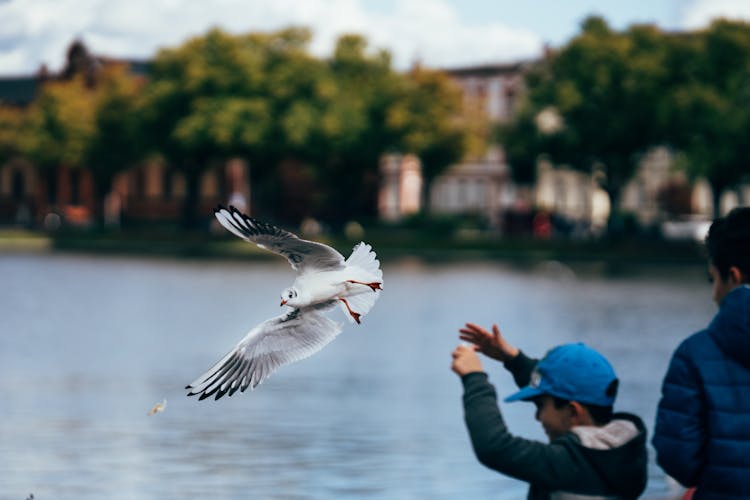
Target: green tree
{"x": 709, "y": 107}
{"x": 297, "y": 118}
{"x": 221, "y": 95}
{"x": 60, "y": 127}
{"x": 607, "y": 87}
{"x": 527, "y": 138}
{"x": 353, "y": 131}
{"x": 433, "y": 124}
{"x": 116, "y": 143}
{"x": 378, "y": 110}
{"x": 13, "y": 122}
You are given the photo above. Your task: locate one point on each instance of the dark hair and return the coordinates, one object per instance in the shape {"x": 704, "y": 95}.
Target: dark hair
{"x": 728, "y": 242}
{"x": 601, "y": 415}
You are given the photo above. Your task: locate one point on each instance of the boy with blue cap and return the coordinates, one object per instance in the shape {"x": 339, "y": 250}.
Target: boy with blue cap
{"x": 592, "y": 452}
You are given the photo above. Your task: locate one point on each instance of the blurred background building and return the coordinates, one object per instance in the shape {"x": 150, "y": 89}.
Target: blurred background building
{"x": 481, "y": 185}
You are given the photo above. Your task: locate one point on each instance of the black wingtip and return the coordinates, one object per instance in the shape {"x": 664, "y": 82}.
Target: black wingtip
{"x": 231, "y": 209}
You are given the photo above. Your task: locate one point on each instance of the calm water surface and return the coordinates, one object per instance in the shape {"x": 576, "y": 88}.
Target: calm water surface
{"x": 89, "y": 344}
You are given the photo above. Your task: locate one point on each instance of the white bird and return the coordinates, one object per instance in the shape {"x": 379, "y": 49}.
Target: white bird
{"x": 324, "y": 279}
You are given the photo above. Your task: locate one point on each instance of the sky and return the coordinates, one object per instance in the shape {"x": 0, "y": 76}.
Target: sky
{"x": 437, "y": 33}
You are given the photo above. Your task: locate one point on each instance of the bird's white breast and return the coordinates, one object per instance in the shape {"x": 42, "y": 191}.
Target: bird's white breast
{"x": 322, "y": 286}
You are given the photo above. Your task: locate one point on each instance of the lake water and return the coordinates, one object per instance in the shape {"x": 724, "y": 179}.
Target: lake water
{"x": 89, "y": 344}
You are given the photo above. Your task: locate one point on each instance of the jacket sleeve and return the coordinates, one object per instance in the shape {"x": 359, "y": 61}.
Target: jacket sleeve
{"x": 521, "y": 367}
{"x": 680, "y": 432}
{"x": 552, "y": 466}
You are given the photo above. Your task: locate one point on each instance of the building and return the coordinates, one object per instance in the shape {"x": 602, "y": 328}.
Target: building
{"x": 473, "y": 187}
{"x": 574, "y": 197}
{"x": 400, "y": 192}
{"x": 497, "y": 89}
{"x": 481, "y": 186}
{"x": 147, "y": 192}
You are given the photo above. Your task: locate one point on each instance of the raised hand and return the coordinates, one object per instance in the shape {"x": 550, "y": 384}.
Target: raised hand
{"x": 465, "y": 360}
{"x": 492, "y": 344}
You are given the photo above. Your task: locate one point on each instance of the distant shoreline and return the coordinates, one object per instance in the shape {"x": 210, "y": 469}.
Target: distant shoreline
{"x": 423, "y": 247}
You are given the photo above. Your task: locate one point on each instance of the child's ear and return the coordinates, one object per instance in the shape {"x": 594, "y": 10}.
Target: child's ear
{"x": 578, "y": 411}
{"x": 736, "y": 276}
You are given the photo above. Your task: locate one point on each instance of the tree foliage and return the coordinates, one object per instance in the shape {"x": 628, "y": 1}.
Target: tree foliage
{"x": 62, "y": 124}
{"x": 264, "y": 97}
{"x": 222, "y": 95}
{"x": 620, "y": 93}
{"x": 79, "y": 123}
{"x": 431, "y": 122}
{"x": 117, "y": 140}
{"x": 606, "y": 87}
{"x": 13, "y": 131}
{"x": 709, "y": 107}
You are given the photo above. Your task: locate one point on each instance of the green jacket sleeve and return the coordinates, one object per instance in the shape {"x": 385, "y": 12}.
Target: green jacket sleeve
{"x": 521, "y": 367}
{"x": 556, "y": 465}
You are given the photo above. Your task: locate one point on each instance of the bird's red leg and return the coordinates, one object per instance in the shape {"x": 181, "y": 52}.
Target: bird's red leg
{"x": 375, "y": 285}
{"x": 354, "y": 314}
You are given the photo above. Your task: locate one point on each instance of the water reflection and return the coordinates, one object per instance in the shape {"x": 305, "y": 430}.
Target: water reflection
{"x": 87, "y": 345}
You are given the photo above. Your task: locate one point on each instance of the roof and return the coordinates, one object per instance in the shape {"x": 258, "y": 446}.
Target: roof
{"x": 18, "y": 90}
{"x": 138, "y": 67}
{"x": 21, "y": 90}
{"x": 487, "y": 70}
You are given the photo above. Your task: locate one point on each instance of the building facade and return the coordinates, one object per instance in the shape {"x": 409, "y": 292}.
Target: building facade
{"x": 152, "y": 191}
{"x": 481, "y": 186}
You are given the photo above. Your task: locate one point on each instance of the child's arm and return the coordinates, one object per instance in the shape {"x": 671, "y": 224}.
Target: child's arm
{"x": 521, "y": 367}
{"x": 679, "y": 436}
{"x": 556, "y": 466}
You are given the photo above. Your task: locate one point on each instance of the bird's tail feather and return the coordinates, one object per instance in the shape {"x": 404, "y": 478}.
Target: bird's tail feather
{"x": 363, "y": 257}
{"x": 360, "y": 303}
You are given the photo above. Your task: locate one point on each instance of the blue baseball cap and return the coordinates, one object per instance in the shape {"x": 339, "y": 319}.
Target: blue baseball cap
{"x": 574, "y": 372}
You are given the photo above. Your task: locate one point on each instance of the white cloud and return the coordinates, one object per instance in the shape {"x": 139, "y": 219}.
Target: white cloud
{"x": 428, "y": 30}
{"x": 431, "y": 31}
{"x": 700, "y": 13}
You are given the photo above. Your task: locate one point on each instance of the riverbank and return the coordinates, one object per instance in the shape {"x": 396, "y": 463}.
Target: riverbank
{"x": 389, "y": 244}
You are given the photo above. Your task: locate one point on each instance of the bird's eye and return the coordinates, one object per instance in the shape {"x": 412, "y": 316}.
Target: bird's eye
{"x": 291, "y": 294}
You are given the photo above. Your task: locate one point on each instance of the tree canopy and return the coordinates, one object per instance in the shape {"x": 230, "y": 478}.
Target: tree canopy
{"x": 620, "y": 93}
{"x": 61, "y": 121}
{"x": 264, "y": 97}
{"x": 606, "y": 86}
{"x": 708, "y": 110}
{"x": 12, "y": 131}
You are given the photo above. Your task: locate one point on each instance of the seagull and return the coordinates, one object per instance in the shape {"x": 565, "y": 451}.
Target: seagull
{"x": 324, "y": 280}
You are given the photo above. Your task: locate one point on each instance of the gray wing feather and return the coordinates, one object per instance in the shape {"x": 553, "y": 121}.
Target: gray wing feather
{"x": 302, "y": 254}
{"x": 275, "y": 342}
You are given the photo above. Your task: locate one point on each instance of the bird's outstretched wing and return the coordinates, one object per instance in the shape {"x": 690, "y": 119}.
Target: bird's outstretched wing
{"x": 303, "y": 255}
{"x": 277, "y": 341}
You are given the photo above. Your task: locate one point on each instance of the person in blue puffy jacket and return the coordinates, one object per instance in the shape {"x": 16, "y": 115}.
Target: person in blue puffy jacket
{"x": 702, "y": 433}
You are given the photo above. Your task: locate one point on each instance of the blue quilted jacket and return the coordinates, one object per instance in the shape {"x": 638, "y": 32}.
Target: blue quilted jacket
{"x": 702, "y": 434}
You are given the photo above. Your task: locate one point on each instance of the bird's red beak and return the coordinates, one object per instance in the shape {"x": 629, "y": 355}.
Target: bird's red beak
{"x": 282, "y": 302}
